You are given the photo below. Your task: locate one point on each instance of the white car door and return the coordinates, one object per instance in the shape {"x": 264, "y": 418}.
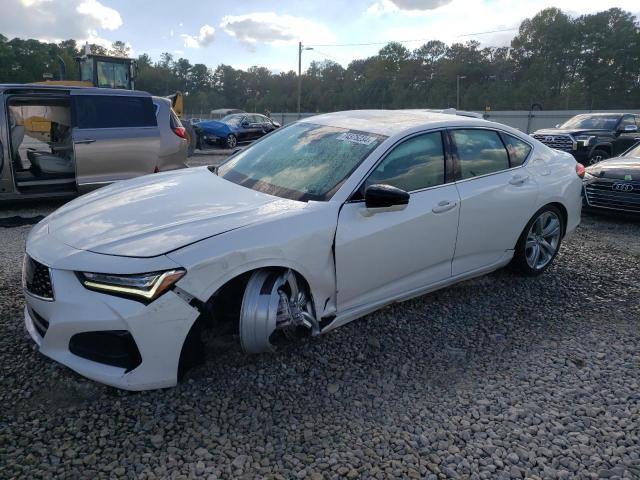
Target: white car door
{"x": 497, "y": 194}
{"x": 382, "y": 255}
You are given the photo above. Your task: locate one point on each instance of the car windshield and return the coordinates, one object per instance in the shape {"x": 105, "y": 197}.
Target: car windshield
{"x": 633, "y": 152}
{"x": 604, "y": 122}
{"x": 234, "y": 119}
{"x": 303, "y": 162}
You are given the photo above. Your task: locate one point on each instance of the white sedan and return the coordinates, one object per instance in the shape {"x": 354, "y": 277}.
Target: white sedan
{"x": 313, "y": 226}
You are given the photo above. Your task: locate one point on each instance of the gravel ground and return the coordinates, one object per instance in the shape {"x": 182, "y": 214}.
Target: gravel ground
{"x": 498, "y": 377}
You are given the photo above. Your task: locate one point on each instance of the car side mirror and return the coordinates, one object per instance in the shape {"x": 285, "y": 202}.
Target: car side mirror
{"x": 557, "y": 125}
{"x": 385, "y": 198}
{"x": 245, "y": 124}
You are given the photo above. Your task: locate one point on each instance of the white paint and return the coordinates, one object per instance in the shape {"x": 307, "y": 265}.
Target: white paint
{"x": 217, "y": 230}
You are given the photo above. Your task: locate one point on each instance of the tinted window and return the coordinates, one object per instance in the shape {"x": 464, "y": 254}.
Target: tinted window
{"x": 518, "y": 150}
{"x": 480, "y": 152}
{"x": 415, "y": 164}
{"x": 113, "y": 111}
{"x": 626, "y": 120}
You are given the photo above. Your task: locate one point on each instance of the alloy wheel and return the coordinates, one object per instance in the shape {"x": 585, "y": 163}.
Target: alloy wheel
{"x": 543, "y": 240}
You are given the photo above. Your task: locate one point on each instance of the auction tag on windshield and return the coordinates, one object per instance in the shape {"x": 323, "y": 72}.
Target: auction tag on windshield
{"x": 357, "y": 138}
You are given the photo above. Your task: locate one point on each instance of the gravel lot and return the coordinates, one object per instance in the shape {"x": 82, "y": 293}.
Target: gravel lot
{"x": 498, "y": 377}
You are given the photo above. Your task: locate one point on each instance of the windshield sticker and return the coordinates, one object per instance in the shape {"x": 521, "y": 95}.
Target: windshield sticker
{"x": 357, "y": 138}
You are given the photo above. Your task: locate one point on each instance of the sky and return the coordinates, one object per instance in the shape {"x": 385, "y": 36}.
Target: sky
{"x": 243, "y": 33}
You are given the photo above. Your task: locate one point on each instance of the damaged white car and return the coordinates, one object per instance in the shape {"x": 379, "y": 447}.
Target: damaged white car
{"x": 313, "y": 226}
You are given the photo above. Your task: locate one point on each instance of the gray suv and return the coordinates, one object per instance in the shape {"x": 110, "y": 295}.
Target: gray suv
{"x": 63, "y": 141}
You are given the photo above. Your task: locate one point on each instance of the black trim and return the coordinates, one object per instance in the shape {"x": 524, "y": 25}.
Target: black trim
{"x": 383, "y": 196}
{"x": 110, "y": 347}
{"x": 449, "y": 158}
{"x": 455, "y": 159}
{"x": 37, "y": 279}
{"x": 39, "y": 323}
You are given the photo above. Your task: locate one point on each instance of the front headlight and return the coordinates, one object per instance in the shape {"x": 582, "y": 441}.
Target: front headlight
{"x": 144, "y": 286}
{"x": 585, "y": 140}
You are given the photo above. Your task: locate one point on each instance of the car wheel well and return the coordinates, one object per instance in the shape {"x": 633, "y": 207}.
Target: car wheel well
{"x": 222, "y": 314}
{"x": 606, "y": 148}
{"x": 565, "y": 215}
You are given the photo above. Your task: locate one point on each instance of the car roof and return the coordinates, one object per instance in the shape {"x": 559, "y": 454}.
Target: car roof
{"x": 602, "y": 114}
{"x": 163, "y": 100}
{"x": 42, "y": 87}
{"x": 391, "y": 122}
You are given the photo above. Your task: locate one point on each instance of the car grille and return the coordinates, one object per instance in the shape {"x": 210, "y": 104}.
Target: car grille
{"x": 614, "y": 195}
{"x": 40, "y": 324}
{"x": 559, "y": 142}
{"x": 36, "y": 279}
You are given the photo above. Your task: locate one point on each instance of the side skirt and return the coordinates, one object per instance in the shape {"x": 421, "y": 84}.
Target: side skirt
{"x": 347, "y": 316}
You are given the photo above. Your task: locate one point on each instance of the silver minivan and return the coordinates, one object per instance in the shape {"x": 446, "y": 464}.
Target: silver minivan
{"x": 64, "y": 141}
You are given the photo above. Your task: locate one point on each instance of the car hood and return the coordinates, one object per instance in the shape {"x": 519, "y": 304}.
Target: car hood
{"x": 622, "y": 168}
{"x": 571, "y": 131}
{"x": 159, "y": 213}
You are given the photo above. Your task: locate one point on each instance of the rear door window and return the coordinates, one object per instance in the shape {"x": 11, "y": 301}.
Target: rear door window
{"x": 113, "y": 111}
{"x": 517, "y": 149}
{"x": 480, "y": 152}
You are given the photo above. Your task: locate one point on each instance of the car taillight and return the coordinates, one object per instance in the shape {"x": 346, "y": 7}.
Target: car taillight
{"x": 580, "y": 170}
{"x": 180, "y": 131}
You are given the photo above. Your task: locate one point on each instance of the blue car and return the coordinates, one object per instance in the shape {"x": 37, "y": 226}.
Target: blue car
{"x": 233, "y": 129}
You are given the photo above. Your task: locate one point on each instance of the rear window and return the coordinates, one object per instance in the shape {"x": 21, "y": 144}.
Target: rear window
{"x": 113, "y": 111}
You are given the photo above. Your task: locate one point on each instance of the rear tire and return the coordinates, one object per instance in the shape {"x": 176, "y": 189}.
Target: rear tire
{"x": 539, "y": 242}
{"x": 598, "y": 155}
{"x": 232, "y": 141}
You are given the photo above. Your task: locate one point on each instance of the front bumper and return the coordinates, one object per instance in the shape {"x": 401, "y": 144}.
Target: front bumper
{"x": 158, "y": 330}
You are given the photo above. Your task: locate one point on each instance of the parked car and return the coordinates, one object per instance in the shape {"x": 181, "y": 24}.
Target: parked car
{"x": 614, "y": 185}
{"x": 174, "y": 138}
{"x": 60, "y": 140}
{"x": 591, "y": 137}
{"x": 235, "y": 128}
{"x": 307, "y": 229}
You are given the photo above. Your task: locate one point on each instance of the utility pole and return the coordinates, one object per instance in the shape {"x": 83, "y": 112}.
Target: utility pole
{"x": 300, "y": 48}
{"x": 458, "y": 78}
{"x": 299, "y": 76}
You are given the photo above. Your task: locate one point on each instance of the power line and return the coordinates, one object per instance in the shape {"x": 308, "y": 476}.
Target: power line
{"x": 405, "y": 41}
{"x": 330, "y": 57}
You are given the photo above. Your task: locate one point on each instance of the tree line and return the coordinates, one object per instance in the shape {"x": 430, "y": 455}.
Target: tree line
{"x": 556, "y": 61}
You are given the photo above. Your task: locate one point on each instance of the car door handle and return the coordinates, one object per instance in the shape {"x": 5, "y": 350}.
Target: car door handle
{"x": 444, "y": 206}
{"x": 84, "y": 142}
{"x": 518, "y": 179}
